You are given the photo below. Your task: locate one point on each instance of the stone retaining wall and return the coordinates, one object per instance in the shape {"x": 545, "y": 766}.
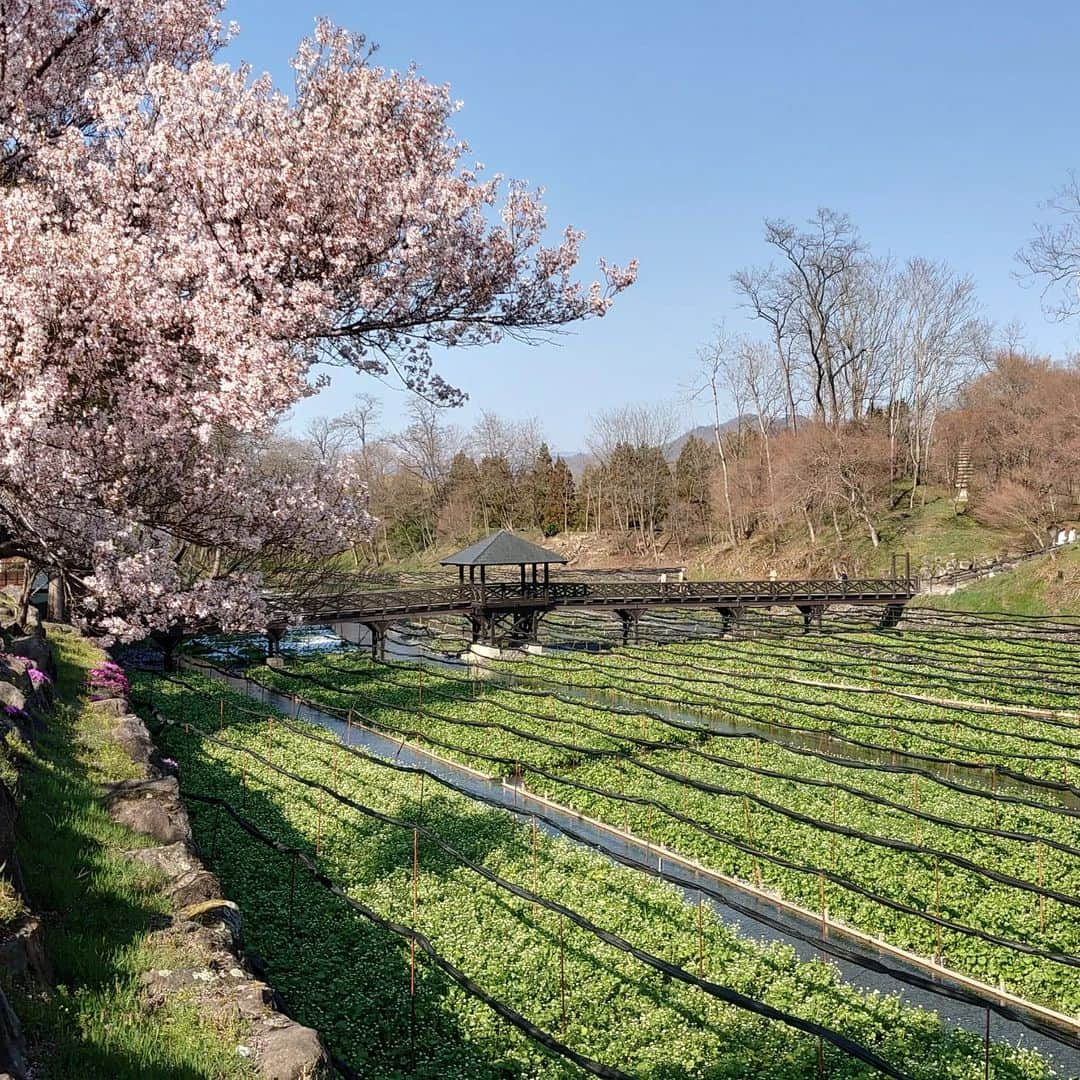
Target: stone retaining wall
{"x": 205, "y": 924}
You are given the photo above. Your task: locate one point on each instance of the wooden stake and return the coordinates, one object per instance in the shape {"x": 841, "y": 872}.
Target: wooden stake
{"x": 701, "y": 937}
{"x": 746, "y": 812}
{"x": 415, "y": 873}
{"x": 534, "y": 888}
{"x": 412, "y": 940}
{"x": 221, "y": 714}
{"x": 937, "y": 903}
{"x": 562, "y": 969}
{"x": 824, "y": 909}
{"x": 1042, "y": 899}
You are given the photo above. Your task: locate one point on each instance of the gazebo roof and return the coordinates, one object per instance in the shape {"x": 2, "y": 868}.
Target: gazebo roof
{"x": 502, "y": 549}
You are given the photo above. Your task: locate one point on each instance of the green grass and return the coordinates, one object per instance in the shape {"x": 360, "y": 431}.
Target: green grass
{"x": 98, "y": 908}
{"x": 1048, "y": 585}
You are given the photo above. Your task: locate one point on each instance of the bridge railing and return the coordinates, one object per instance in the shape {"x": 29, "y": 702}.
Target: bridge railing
{"x": 387, "y": 602}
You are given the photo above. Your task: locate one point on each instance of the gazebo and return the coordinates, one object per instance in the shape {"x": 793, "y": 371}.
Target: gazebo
{"x": 505, "y": 610}
{"x": 503, "y": 549}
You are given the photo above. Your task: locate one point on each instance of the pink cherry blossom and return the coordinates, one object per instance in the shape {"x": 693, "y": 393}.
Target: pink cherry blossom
{"x": 179, "y": 244}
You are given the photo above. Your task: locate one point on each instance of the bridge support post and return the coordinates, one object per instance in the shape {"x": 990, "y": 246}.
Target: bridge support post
{"x": 891, "y": 616}
{"x": 166, "y": 641}
{"x": 377, "y": 631}
{"x": 631, "y": 625}
{"x": 811, "y": 613}
{"x": 729, "y": 617}
{"x": 274, "y": 634}
{"x": 523, "y": 628}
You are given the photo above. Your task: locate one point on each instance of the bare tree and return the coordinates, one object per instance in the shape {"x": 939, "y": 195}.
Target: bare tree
{"x": 718, "y": 371}
{"x": 517, "y": 441}
{"x": 325, "y": 441}
{"x": 806, "y": 299}
{"x": 941, "y": 339}
{"x": 763, "y": 381}
{"x": 865, "y": 336}
{"x": 630, "y": 443}
{"x": 772, "y": 299}
{"x": 359, "y": 426}
{"x": 1052, "y": 257}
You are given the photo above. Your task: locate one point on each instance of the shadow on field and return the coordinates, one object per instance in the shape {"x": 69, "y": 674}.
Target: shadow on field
{"x": 334, "y": 970}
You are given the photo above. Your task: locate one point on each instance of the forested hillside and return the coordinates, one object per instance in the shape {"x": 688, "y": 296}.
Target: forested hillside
{"x": 1000, "y": 472}
{"x": 876, "y": 410}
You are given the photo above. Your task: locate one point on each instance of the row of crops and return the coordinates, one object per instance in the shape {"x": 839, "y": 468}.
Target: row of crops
{"x": 940, "y": 817}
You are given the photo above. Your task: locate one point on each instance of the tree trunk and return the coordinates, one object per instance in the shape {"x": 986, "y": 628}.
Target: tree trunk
{"x": 29, "y": 574}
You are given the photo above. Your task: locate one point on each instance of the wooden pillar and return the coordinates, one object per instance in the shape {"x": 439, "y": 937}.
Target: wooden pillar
{"x": 56, "y": 610}
{"x": 545, "y": 574}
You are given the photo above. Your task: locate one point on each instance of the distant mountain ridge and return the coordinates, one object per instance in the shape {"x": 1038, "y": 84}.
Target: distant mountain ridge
{"x": 581, "y": 459}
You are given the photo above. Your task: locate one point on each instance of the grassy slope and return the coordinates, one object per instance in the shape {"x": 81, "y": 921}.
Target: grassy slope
{"x": 932, "y": 532}
{"x": 98, "y": 907}
{"x": 1048, "y": 585}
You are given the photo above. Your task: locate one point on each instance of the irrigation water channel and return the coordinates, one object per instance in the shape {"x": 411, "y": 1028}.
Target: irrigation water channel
{"x": 776, "y": 914}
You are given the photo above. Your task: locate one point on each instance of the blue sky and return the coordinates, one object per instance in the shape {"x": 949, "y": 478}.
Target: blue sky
{"x": 668, "y": 132}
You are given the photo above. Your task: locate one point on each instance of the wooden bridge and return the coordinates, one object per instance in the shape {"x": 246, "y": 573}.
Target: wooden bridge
{"x": 509, "y": 611}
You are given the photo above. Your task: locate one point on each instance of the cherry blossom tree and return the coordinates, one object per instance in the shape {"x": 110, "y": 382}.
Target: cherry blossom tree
{"x": 180, "y": 244}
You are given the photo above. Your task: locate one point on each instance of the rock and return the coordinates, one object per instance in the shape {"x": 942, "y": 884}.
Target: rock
{"x": 152, "y": 807}
{"x": 159, "y": 983}
{"x": 173, "y": 860}
{"x": 213, "y": 943}
{"x": 13, "y": 670}
{"x": 114, "y": 706}
{"x": 130, "y": 732}
{"x": 37, "y": 649}
{"x": 11, "y": 697}
{"x": 22, "y": 951}
{"x": 289, "y": 1052}
{"x": 200, "y": 886}
{"x": 253, "y": 1000}
{"x": 190, "y": 883}
{"x": 218, "y": 914}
